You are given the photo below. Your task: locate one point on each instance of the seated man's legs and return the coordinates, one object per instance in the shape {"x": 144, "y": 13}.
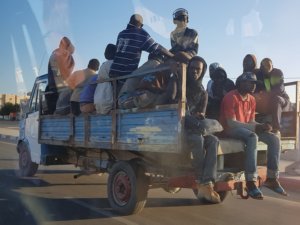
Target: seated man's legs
{"x": 250, "y": 139}
{"x": 204, "y": 151}
{"x": 211, "y": 144}
{"x": 277, "y": 104}
{"x": 268, "y": 103}
{"x": 273, "y": 157}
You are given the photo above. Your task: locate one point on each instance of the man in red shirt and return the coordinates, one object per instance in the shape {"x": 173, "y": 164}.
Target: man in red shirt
{"x": 238, "y": 119}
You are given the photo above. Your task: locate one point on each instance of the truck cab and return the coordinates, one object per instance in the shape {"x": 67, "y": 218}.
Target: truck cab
{"x": 31, "y": 153}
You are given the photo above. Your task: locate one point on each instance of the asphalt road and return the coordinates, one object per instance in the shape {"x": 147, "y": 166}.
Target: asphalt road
{"x": 53, "y": 197}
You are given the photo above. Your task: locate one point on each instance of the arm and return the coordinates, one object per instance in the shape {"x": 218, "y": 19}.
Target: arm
{"x": 233, "y": 123}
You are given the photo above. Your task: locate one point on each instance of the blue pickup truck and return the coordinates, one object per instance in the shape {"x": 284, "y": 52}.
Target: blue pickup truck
{"x": 138, "y": 148}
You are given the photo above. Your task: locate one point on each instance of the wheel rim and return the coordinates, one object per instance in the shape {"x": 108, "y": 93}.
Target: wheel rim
{"x": 121, "y": 188}
{"x": 24, "y": 159}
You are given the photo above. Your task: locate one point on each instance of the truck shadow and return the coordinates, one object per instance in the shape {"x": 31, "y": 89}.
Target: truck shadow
{"x": 25, "y": 199}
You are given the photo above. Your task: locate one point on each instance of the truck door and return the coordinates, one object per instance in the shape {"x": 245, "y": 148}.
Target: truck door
{"x": 31, "y": 122}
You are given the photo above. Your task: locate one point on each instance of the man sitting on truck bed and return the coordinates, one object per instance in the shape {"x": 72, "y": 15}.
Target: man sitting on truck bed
{"x": 238, "y": 119}
{"x": 271, "y": 96}
{"x": 203, "y": 148}
{"x": 184, "y": 40}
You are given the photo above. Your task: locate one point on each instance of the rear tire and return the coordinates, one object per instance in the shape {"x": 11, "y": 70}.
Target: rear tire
{"x": 127, "y": 188}
{"x": 27, "y": 168}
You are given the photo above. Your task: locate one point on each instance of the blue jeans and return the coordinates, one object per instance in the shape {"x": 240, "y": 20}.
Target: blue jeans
{"x": 251, "y": 138}
{"x": 204, "y": 150}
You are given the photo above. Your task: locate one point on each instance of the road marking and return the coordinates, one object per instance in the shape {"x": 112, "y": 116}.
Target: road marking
{"x": 102, "y": 212}
{"x": 9, "y": 143}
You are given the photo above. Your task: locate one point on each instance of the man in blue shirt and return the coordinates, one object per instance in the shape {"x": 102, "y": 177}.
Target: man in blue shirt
{"x": 130, "y": 44}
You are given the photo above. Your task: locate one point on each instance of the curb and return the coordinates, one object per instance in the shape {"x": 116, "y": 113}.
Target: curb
{"x": 8, "y": 138}
{"x": 289, "y": 183}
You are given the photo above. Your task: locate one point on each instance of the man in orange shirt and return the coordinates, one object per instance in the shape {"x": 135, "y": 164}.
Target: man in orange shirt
{"x": 238, "y": 119}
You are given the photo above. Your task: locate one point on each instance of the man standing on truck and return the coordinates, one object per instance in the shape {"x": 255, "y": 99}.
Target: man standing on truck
{"x": 130, "y": 44}
{"x": 60, "y": 67}
{"x": 238, "y": 119}
{"x": 203, "y": 148}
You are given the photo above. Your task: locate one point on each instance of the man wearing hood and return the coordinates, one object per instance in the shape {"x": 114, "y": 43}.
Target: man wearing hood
{"x": 60, "y": 67}
{"x": 203, "y": 148}
{"x": 250, "y": 63}
{"x": 219, "y": 86}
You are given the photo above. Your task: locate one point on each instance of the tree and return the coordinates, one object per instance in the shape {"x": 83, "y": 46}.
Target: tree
{"x": 8, "y": 107}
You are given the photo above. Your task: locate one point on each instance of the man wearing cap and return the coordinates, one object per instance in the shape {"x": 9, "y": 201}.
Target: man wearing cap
{"x": 238, "y": 119}
{"x": 130, "y": 44}
{"x": 184, "y": 41}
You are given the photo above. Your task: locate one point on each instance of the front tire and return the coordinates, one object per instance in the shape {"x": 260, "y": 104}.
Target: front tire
{"x": 27, "y": 168}
{"x": 127, "y": 188}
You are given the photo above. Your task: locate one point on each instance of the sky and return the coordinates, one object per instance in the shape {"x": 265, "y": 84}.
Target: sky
{"x": 228, "y": 30}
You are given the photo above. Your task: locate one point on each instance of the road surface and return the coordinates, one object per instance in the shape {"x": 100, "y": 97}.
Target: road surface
{"x": 53, "y": 197}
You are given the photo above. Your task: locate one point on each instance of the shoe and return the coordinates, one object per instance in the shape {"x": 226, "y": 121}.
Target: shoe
{"x": 206, "y": 191}
{"x": 274, "y": 185}
{"x": 226, "y": 177}
{"x": 253, "y": 191}
{"x": 276, "y": 132}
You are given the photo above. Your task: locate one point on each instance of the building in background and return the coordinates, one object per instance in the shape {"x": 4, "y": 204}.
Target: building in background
{"x": 12, "y": 98}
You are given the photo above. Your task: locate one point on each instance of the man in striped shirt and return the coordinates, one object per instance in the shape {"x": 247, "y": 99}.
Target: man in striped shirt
{"x": 130, "y": 44}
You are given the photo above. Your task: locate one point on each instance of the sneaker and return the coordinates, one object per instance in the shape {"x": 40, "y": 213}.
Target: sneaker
{"x": 206, "y": 191}
{"x": 274, "y": 185}
{"x": 226, "y": 177}
{"x": 276, "y": 132}
{"x": 253, "y": 191}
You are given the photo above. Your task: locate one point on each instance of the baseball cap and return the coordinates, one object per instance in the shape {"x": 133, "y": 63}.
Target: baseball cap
{"x": 180, "y": 12}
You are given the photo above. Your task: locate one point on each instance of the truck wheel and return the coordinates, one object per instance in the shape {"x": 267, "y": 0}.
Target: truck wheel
{"x": 26, "y": 166}
{"x": 127, "y": 188}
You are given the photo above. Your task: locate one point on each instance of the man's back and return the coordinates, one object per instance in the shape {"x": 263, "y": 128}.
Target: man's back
{"x": 131, "y": 42}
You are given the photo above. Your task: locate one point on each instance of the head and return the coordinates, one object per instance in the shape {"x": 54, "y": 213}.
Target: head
{"x": 180, "y": 15}
{"x": 212, "y": 68}
{"x": 219, "y": 75}
{"x": 249, "y": 63}
{"x": 66, "y": 44}
{"x": 94, "y": 64}
{"x": 196, "y": 68}
{"x": 136, "y": 20}
{"x": 246, "y": 83}
{"x": 110, "y": 51}
{"x": 266, "y": 65}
